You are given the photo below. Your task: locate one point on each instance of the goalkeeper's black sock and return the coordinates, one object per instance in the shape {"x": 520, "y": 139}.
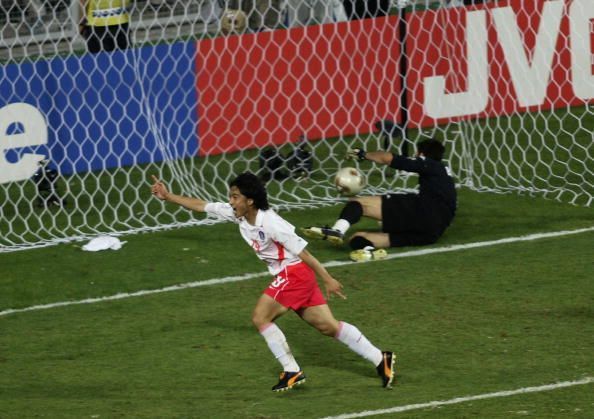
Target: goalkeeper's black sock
{"x": 359, "y": 242}
{"x": 352, "y": 212}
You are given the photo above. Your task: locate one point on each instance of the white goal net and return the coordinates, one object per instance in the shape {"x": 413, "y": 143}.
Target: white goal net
{"x": 207, "y": 89}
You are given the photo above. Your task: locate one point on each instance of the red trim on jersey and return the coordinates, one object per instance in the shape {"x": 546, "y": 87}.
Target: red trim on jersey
{"x": 281, "y": 251}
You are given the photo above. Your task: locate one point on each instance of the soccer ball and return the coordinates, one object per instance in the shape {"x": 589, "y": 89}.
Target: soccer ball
{"x": 233, "y": 22}
{"x": 349, "y": 181}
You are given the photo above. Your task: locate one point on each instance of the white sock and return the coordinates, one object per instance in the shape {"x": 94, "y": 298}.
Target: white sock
{"x": 341, "y": 225}
{"x": 358, "y": 343}
{"x": 278, "y": 345}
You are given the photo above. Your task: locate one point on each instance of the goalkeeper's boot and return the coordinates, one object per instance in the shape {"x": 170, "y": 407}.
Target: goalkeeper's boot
{"x": 289, "y": 379}
{"x": 368, "y": 253}
{"x": 324, "y": 233}
{"x": 385, "y": 369}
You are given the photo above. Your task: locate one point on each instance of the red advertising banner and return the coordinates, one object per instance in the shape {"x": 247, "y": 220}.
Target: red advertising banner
{"x": 339, "y": 79}
{"x": 521, "y": 53}
{"x": 271, "y": 87}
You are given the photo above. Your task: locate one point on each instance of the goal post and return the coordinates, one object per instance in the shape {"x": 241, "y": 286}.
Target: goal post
{"x": 507, "y": 85}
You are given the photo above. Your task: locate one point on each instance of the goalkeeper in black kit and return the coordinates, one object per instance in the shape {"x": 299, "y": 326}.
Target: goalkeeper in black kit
{"x": 411, "y": 219}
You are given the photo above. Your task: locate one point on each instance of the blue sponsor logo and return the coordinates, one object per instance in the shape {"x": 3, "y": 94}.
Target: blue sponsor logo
{"x": 118, "y": 132}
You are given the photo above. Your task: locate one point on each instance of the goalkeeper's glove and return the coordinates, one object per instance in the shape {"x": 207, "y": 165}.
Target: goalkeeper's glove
{"x": 356, "y": 154}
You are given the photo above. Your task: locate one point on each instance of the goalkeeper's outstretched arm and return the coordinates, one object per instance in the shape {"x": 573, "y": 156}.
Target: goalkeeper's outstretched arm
{"x": 159, "y": 190}
{"x": 381, "y": 157}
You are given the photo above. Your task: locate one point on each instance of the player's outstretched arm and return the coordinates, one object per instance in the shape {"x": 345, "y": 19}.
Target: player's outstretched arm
{"x": 380, "y": 157}
{"x": 332, "y": 285}
{"x": 159, "y": 190}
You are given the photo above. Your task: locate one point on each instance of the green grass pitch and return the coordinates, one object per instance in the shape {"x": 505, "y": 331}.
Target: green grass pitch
{"x": 463, "y": 323}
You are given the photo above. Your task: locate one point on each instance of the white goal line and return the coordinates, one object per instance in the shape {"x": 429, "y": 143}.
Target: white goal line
{"x": 248, "y": 276}
{"x": 506, "y": 393}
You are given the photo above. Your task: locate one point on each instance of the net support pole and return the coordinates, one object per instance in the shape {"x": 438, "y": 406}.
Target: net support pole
{"x": 403, "y": 72}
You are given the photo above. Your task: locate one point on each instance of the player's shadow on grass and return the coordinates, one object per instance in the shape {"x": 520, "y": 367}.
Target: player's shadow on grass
{"x": 311, "y": 348}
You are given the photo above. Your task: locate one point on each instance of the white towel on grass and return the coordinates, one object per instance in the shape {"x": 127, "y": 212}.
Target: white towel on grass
{"x": 103, "y": 243}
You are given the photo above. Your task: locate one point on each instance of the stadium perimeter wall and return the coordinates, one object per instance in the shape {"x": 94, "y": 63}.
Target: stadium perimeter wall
{"x": 123, "y": 108}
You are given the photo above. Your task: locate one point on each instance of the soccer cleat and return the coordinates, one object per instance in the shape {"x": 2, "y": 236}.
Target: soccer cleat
{"x": 385, "y": 369}
{"x": 368, "y": 253}
{"x": 289, "y": 379}
{"x": 324, "y": 233}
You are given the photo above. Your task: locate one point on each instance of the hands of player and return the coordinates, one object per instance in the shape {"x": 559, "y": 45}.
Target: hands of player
{"x": 356, "y": 154}
{"x": 333, "y": 287}
{"x": 158, "y": 189}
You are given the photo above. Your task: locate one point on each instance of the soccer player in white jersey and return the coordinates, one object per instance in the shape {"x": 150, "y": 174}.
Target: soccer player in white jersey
{"x": 294, "y": 270}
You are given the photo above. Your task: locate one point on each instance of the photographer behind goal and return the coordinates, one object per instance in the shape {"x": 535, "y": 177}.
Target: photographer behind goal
{"x": 411, "y": 219}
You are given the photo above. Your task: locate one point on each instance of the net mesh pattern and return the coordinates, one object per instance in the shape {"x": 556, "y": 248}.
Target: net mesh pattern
{"x": 206, "y": 90}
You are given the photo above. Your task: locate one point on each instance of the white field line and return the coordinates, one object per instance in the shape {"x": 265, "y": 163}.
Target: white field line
{"x": 508, "y": 393}
{"x": 245, "y": 277}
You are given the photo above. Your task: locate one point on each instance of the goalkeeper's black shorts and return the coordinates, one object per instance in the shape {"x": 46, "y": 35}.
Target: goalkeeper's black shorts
{"x": 411, "y": 221}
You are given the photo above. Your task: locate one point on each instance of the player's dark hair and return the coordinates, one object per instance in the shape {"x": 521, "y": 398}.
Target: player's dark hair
{"x": 251, "y": 187}
{"x": 431, "y": 148}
